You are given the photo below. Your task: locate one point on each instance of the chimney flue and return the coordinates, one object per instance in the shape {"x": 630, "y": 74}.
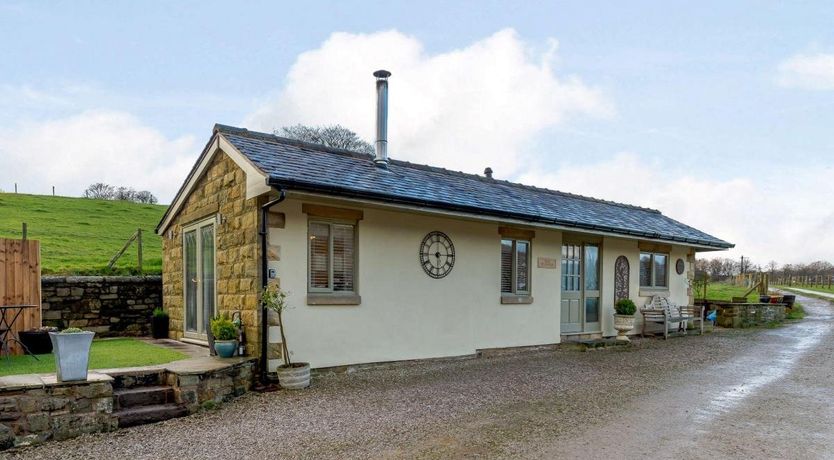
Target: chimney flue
{"x": 381, "y": 144}
{"x": 488, "y": 172}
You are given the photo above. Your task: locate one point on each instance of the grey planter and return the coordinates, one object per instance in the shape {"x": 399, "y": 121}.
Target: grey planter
{"x": 72, "y": 354}
{"x": 295, "y": 377}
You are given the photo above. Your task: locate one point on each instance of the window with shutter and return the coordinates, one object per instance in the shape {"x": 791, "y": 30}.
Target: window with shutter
{"x": 332, "y": 257}
{"x": 515, "y": 267}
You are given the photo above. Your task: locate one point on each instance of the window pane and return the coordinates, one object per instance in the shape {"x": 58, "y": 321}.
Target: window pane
{"x": 319, "y": 256}
{"x": 522, "y": 270}
{"x": 343, "y": 258}
{"x": 645, "y": 269}
{"x": 507, "y": 266}
{"x": 564, "y": 271}
{"x": 592, "y": 268}
{"x": 207, "y": 263}
{"x": 660, "y": 270}
{"x": 592, "y": 310}
{"x": 190, "y": 243}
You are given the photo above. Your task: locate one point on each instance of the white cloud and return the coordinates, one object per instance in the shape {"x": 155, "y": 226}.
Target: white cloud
{"x": 808, "y": 71}
{"x": 93, "y": 146}
{"x": 785, "y": 217}
{"x": 463, "y": 109}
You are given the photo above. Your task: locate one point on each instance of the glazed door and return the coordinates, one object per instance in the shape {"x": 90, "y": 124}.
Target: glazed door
{"x": 580, "y": 288}
{"x": 199, "y": 280}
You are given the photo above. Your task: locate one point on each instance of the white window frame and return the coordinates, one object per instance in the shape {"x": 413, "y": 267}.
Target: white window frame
{"x": 329, "y": 290}
{"x": 652, "y": 277}
{"x": 196, "y": 226}
{"x": 514, "y": 268}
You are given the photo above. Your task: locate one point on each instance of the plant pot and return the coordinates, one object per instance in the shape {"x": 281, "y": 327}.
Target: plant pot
{"x": 38, "y": 342}
{"x": 225, "y": 348}
{"x": 294, "y": 377}
{"x": 764, "y": 299}
{"x": 623, "y": 324}
{"x": 72, "y": 354}
{"x": 159, "y": 327}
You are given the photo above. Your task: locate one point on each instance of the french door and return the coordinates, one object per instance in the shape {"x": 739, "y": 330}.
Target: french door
{"x": 580, "y": 288}
{"x": 199, "y": 268}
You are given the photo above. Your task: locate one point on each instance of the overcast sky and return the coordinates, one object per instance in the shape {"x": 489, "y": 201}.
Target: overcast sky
{"x": 720, "y": 115}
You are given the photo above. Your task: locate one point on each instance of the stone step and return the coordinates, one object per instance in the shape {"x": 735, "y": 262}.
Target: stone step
{"x": 149, "y": 414}
{"x": 594, "y": 344}
{"x": 125, "y": 398}
{"x": 137, "y": 378}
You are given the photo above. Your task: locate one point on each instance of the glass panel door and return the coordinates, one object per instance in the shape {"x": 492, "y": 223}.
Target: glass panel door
{"x": 199, "y": 277}
{"x": 580, "y": 309}
{"x": 591, "y": 291}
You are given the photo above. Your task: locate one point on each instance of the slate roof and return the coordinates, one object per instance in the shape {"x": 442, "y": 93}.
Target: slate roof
{"x": 295, "y": 165}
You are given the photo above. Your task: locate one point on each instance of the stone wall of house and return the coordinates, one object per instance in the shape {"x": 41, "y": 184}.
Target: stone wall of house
{"x": 741, "y": 315}
{"x": 220, "y": 192}
{"x": 34, "y": 409}
{"x": 107, "y": 305}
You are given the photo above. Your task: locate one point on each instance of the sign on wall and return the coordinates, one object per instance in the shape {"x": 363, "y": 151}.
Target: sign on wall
{"x": 546, "y": 262}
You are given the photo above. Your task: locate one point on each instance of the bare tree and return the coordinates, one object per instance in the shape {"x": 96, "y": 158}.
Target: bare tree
{"x": 125, "y": 194}
{"x": 329, "y": 135}
{"x": 145, "y": 197}
{"x": 100, "y": 191}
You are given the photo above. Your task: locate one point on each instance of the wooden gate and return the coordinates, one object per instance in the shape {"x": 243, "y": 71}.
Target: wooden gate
{"x": 20, "y": 283}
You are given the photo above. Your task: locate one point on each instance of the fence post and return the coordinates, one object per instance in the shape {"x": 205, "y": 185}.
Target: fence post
{"x": 139, "y": 248}
{"x": 25, "y": 231}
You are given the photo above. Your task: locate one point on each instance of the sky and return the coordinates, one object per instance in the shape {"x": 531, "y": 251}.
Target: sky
{"x": 719, "y": 114}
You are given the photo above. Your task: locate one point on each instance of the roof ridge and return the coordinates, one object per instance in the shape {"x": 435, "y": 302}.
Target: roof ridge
{"x": 407, "y": 164}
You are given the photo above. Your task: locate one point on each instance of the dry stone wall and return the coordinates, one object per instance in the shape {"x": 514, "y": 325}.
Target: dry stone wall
{"x": 107, "y": 305}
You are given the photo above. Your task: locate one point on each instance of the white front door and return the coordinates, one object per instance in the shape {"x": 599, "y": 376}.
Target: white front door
{"x": 198, "y": 270}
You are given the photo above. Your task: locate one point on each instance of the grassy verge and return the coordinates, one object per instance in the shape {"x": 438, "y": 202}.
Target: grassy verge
{"x": 797, "y": 312}
{"x": 726, "y": 291}
{"x": 809, "y": 288}
{"x": 104, "y": 354}
{"x": 80, "y": 235}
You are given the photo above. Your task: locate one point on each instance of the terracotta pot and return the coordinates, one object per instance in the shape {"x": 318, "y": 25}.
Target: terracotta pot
{"x": 294, "y": 377}
{"x": 623, "y": 324}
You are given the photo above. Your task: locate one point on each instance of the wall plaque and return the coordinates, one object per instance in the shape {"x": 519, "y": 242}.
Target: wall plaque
{"x": 546, "y": 262}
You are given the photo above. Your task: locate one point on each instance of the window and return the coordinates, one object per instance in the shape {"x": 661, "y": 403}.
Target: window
{"x": 653, "y": 270}
{"x": 515, "y": 267}
{"x": 332, "y": 257}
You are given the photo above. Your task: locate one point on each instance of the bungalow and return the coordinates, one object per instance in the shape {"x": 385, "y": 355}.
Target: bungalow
{"x": 388, "y": 260}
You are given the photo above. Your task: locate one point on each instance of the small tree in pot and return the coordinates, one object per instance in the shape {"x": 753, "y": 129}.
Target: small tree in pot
{"x": 225, "y": 336}
{"x": 624, "y": 318}
{"x": 291, "y": 376}
{"x": 72, "y": 353}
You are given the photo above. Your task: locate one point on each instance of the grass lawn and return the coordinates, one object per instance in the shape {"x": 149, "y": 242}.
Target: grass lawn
{"x": 726, "y": 291}
{"x": 104, "y": 354}
{"x": 810, "y": 288}
{"x": 80, "y": 235}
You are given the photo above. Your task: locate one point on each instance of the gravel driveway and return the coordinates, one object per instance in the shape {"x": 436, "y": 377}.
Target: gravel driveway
{"x": 737, "y": 393}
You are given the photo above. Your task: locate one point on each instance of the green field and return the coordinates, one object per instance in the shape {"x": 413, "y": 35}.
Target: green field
{"x": 104, "y": 354}
{"x": 79, "y": 235}
{"x": 726, "y": 291}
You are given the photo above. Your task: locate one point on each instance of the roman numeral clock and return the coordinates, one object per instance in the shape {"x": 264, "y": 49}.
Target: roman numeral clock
{"x": 437, "y": 254}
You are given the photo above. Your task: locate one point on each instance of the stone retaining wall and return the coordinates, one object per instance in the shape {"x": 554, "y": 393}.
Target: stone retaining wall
{"x": 108, "y": 305}
{"x": 741, "y": 315}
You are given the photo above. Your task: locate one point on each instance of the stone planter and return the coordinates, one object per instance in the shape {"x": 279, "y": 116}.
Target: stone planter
{"x": 72, "y": 354}
{"x": 295, "y": 376}
{"x": 623, "y": 324}
{"x": 225, "y": 348}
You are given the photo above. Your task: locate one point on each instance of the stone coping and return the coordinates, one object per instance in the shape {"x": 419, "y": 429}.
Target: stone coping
{"x": 34, "y": 381}
{"x": 49, "y": 279}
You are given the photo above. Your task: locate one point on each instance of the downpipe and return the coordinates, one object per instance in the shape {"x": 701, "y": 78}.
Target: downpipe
{"x": 263, "y": 232}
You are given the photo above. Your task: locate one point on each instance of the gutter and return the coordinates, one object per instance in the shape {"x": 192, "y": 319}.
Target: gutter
{"x": 265, "y": 277}
{"x": 349, "y": 193}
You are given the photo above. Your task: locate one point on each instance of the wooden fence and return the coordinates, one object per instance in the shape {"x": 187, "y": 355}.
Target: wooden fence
{"x": 20, "y": 282}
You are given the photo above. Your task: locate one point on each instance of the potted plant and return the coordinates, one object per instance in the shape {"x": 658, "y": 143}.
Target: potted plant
{"x": 624, "y": 318}
{"x": 72, "y": 353}
{"x": 225, "y": 336}
{"x": 37, "y": 340}
{"x": 159, "y": 323}
{"x": 291, "y": 376}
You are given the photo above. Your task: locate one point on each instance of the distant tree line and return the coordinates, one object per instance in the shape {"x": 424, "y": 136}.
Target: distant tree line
{"x": 102, "y": 191}
{"x": 329, "y": 135}
{"x": 721, "y": 268}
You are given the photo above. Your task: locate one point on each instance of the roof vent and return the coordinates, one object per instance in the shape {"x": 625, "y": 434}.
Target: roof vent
{"x": 488, "y": 172}
{"x": 381, "y": 144}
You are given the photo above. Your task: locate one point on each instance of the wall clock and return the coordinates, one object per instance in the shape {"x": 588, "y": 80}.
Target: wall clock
{"x": 437, "y": 254}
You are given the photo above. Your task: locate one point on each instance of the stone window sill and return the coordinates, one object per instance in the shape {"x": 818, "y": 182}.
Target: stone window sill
{"x": 333, "y": 299}
{"x": 516, "y": 299}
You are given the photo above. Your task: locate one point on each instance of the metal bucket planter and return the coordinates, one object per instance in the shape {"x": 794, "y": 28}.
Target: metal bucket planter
{"x": 72, "y": 354}
{"x": 295, "y": 376}
{"x": 623, "y": 324}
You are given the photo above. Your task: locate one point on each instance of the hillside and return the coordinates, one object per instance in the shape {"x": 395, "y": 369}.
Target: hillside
{"x": 79, "y": 235}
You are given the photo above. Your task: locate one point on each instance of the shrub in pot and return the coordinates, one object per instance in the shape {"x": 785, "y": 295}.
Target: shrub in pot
{"x": 225, "y": 336}
{"x": 159, "y": 323}
{"x": 291, "y": 376}
{"x": 72, "y": 353}
{"x": 37, "y": 340}
{"x": 624, "y": 311}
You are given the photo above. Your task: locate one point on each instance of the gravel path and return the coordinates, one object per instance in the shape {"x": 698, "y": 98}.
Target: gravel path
{"x": 739, "y": 393}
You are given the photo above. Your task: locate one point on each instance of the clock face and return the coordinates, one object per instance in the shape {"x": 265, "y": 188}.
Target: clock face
{"x": 437, "y": 254}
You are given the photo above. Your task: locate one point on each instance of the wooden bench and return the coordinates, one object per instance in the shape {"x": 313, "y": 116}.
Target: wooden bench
{"x": 659, "y": 310}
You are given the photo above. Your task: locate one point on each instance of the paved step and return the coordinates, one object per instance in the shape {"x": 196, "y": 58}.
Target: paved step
{"x": 601, "y": 343}
{"x": 136, "y": 378}
{"x": 149, "y": 414}
{"x": 125, "y": 398}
